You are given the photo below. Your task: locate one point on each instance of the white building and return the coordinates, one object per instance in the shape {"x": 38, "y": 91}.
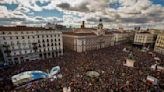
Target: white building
{"x": 144, "y": 39}
{"x": 122, "y": 37}
{"x": 159, "y": 45}
{"x": 85, "y": 39}
{"x": 21, "y": 43}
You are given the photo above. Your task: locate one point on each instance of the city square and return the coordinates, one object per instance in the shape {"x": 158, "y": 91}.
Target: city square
{"x": 108, "y": 62}
{"x": 81, "y": 46}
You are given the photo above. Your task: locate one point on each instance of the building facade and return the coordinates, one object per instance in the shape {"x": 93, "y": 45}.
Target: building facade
{"x": 22, "y": 44}
{"x": 122, "y": 37}
{"x": 144, "y": 39}
{"x": 159, "y": 45}
{"x": 85, "y": 39}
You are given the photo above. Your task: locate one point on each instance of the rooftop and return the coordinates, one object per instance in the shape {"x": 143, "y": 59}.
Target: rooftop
{"x": 21, "y": 28}
{"x": 83, "y": 34}
{"x": 79, "y": 34}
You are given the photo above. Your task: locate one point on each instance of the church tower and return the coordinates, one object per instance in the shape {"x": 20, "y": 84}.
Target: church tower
{"x": 100, "y": 30}
{"x": 100, "y": 25}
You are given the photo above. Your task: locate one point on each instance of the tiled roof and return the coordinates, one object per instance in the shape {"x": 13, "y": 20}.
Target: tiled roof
{"x": 78, "y": 34}
{"x": 21, "y": 28}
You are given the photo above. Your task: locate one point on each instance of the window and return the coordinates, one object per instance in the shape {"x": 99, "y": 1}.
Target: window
{"x": 20, "y": 52}
{"x": 10, "y": 37}
{"x": 48, "y": 54}
{"x": 4, "y": 38}
{"x": 47, "y": 40}
{"x": 22, "y": 37}
{"x": 43, "y": 41}
{"x": 3, "y": 33}
{"x": 17, "y": 42}
{"x": 59, "y": 40}
{"x": 59, "y": 51}
{"x": 16, "y": 37}
{"x": 38, "y": 36}
{"x": 15, "y": 58}
{"x": 5, "y": 43}
{"x": 28, "y": 37}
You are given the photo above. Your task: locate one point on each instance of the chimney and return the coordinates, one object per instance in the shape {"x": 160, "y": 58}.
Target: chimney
{"x": 83, "y": 24}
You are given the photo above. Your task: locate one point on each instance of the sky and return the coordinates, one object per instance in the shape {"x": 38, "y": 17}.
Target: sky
{"x": 114, "y": 13}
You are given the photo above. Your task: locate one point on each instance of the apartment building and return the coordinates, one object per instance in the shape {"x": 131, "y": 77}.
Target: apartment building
{"x": 122, "y": 37}
{"x": 144, "y": 39}
{"x": 21, "y": 44}
{"x": 159, "y": 45}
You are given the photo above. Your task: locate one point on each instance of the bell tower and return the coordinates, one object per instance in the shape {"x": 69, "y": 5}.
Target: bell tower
{"x": 100, "y": 25}
{"x": 100, "y": 30}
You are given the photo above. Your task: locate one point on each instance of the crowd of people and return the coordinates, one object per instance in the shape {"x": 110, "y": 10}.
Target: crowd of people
{"x": 108, "y": 62}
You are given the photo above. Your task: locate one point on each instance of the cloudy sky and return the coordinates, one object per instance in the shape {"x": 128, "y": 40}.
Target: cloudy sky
{"x": 114, "y": 13}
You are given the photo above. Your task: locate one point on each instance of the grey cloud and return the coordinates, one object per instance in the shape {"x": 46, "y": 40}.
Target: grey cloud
{"x": 134, "y": 20}
{"x": 12, "y": 19}
{"x": 81, "y": 8}
{"x": 104, "y": 19}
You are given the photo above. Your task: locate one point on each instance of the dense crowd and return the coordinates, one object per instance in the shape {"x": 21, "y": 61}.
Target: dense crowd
{"x": 108, "y": 62}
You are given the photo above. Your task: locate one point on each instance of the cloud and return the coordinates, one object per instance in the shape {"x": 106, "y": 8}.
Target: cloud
{"x": 113, "y": 12}
{"x": 81, "y": 8}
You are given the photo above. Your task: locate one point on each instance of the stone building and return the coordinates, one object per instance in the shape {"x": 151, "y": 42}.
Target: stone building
{"x": 85, "y": 39}
{"x": 159, "y": 45}
{"x": 144, "y": 39}
{"x": 122, "y": 37}
{"x": 21, "y": 43}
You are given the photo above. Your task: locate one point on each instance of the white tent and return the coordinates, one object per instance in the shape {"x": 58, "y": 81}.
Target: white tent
{"x": 129, "y": 63}
{"x": 92, "y": 74}
{"x": 65, "y": 89}
{"x": 152, "y": 80}
{"x": 159, "y": 68}
{"x": 125, "y": 50}
{"x": 157, "y": 58}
